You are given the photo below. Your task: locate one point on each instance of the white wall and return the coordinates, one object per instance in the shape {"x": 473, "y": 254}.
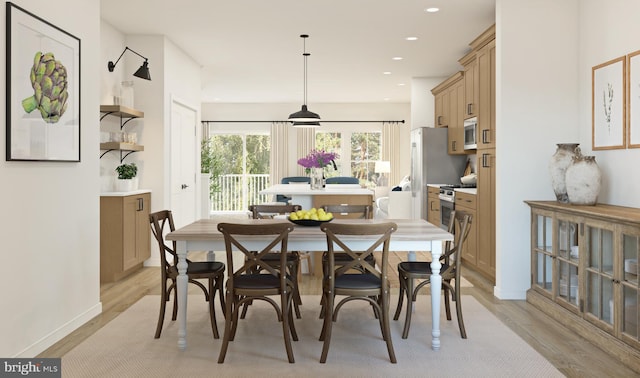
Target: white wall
{"x": 50, "y": 229}
{"x": 422, "y": 101}
{"x": 608, "y": 30}
{"x": 333, "y": 112}
{"x": 537, "y": 107}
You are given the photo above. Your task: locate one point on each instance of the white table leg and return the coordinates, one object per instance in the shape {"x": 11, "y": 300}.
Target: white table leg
{"x": 182, "y": 285}
{"x": 436, "y": 287}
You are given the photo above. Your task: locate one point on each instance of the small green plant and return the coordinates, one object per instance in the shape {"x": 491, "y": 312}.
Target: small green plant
{"x": 127, "y": 171}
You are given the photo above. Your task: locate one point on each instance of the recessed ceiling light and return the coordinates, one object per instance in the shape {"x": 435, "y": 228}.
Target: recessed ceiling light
{"x": 401, "y": 84}
{"x": 387, "y": 99}
{"x": 397, "y": 58}
{"x": 386, "y": 73}
{"x": 411, "y": 38}
{"x": 432, "y": 10}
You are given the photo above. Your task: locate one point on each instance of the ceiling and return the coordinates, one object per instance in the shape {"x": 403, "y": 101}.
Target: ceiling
{"x": 250, "y": 51}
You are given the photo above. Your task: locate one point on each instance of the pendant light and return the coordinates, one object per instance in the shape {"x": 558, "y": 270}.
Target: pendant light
{"x": 304, "y": 117}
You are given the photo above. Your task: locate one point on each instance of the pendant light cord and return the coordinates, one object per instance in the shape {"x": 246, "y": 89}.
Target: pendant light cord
{"x": 305, "y": 55}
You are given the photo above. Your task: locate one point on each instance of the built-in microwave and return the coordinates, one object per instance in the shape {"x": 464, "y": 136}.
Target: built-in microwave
{"x": 471, "y": 133}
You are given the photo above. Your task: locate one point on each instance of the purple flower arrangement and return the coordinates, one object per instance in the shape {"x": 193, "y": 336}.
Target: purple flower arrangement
{"x": 318, "y": 159}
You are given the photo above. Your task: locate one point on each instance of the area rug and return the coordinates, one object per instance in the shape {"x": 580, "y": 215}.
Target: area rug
{"x": 126, "y": 348}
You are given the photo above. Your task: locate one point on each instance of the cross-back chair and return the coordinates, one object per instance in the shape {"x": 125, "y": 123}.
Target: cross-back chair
{"x": 268, "y": 211}
{"x": 371, "y": 286}
{"x": 258, "y": 279}
{"x": 212, "y": 271}
{"x": 451, "y": 260}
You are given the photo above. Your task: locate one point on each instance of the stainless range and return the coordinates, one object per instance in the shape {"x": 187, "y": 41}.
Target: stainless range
{"x": 447, "y": 202}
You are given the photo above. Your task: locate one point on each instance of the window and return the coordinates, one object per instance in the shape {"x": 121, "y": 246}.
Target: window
{"x": 357, "y": 157}
{"x": 239, "y": 170}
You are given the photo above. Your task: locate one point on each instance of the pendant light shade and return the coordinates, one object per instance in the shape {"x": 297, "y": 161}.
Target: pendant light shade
{"x": 304, "y": 117}
{"x": 298, "y": 124}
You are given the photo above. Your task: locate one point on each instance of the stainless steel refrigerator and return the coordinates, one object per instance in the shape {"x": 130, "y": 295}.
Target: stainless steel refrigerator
{"x": 431, "y": 164}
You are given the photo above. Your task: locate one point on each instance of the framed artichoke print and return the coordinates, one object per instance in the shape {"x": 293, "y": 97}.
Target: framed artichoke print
{"x": 633, "y": 100}
{"x": 43, "y": 89}
{"x": 608, "y": 105}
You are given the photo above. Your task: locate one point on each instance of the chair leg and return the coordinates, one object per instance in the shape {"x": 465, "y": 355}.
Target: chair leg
{"x": 447, "y": 304}
{"x": 227, "y": 328}
{"x": 286, "y": 330}
{"x": 326, "y": 327}
{"x": 410, "y": 299}
{"x": 163, "y": 305}
{"x": 463, "y": 332}
{"x": 400, "y": 296}
{"x": 212, "y": 311}
{"x": 220, "y": 289}
{"x": 386, "y": 332}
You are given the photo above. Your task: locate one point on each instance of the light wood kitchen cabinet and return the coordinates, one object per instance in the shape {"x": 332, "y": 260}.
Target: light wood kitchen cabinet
{"x": 486, "y": 58}
{"x": 471, "y": 89}
{"x": 433, "y": 207}
{"x": 584, "y": 272}
{"x": 449, "y": 111}
{"x": 125, "y": 238}
{"x": 467, "y": 202}
{"x": 486, "y": 197}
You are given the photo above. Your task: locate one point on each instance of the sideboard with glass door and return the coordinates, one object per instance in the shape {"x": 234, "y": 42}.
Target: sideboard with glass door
{"x": 584, "y": 272}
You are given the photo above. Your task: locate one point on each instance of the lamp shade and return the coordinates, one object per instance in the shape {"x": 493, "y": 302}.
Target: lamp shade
{"x": 382, "y": 166}
{"x": 143, "y": 71}
{"x": 304, "y": 115}
{"x": 306, "y": 124}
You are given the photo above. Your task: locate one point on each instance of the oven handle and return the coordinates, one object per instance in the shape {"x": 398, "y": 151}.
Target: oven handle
{"x": 446, "y": 199}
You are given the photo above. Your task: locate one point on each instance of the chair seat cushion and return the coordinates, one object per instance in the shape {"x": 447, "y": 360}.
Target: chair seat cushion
{"x": 358, "y": 281}
{"x": 205, "y": 267}
{"x": 256, "y": 281}
{"x": 417, "y": 267}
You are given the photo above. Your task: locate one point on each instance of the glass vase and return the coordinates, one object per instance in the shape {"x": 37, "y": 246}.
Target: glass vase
{"x": 316, "y": 178}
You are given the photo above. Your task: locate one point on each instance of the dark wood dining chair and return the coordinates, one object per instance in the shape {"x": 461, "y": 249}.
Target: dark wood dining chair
{"x": 212, "y": 271}
{"x": 269, "y": 211}
{"x": 249, "y": 282}
{"x": 451, "y": 260}
{"x": 371, "y": 286}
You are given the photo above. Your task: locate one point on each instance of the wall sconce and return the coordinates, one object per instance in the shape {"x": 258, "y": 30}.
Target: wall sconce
{"x": 142, "y": 72}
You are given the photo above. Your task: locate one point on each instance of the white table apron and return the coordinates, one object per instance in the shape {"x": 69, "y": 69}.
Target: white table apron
{"x": 412, "y": 235}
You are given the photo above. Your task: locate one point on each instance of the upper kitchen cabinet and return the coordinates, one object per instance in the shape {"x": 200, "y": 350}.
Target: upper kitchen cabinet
{"x": 471, "y": 92}
{"x": 486, "y": 58}
{"x": 475, "y": 73}
{"x": 449, "y": 102}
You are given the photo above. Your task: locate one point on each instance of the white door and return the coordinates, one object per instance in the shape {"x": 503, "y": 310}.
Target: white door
{"x": 184, "y": 151}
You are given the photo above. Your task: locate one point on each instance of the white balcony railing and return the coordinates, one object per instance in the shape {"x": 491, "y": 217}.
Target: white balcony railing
{"x": 236, "y": 192}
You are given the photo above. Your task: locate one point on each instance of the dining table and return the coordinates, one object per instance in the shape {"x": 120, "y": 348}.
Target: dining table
{"x": 411, "y": 235}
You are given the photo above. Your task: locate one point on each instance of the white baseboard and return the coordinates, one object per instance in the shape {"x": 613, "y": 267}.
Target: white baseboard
{"x": 58, "y": 334}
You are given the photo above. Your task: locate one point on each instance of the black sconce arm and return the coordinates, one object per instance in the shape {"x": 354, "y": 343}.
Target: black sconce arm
{"x": 112, "y": 65}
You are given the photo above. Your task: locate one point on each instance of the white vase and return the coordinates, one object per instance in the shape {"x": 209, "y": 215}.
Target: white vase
{"x": 583, "y": 179}
{"x": 316, "y": 178}
{"x": 558, "y": 165}
{"x": 124, "y": 185}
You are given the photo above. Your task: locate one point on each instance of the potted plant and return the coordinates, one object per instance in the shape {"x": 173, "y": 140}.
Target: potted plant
{"x": 126, "y": 181}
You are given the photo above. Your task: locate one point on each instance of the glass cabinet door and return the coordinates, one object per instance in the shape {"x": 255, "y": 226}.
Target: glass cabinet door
{"x": 543, "y": 252}
{"x": 630, "y": 288}
{"x": 599, "y": 274}
{"x": 568, "y": 262}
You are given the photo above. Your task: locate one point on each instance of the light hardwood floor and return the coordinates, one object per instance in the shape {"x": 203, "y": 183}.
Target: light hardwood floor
{"x": 570, "y": 353}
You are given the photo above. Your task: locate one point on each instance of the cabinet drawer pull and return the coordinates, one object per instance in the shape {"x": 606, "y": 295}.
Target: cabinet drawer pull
{"x": 140, "y": 204}
{"x": 484, "y": 136}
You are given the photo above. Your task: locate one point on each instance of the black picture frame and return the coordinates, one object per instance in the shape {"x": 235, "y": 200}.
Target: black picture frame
{"x": 43, "y": 89}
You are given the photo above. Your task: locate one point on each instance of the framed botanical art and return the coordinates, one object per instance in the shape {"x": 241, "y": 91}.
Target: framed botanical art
{"x": 633, "y": 100}
{"x": 43, "y": 89}
{"x": 608, "y": 105}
